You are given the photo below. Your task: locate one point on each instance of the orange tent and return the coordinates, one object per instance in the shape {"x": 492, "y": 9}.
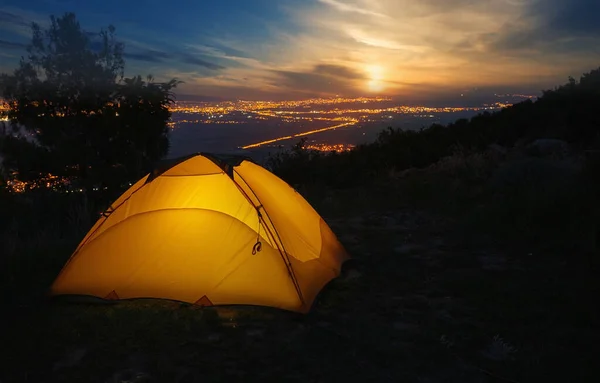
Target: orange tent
{"x": 211, "y": 231}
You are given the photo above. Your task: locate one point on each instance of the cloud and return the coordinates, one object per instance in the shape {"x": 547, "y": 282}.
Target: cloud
{"x": 444, "y": 44}
{"x": 351, "y": 8}
{"x": 322, "y": 78}
{"x": 14, "y": 23}
{"x": 11, "y": 18}
{"x": 549, "y": 27}
{"x": 216, "y": 55}
{"x": 573, "y": 18}
{"x": 216, "y": 48}
{"x": 194, "y": 60}
{"x": 152, "y": 56}
{"x": 338, "y": 71}
{"x": 146, "y": 53}
{"x": 11, "y": 45}
{"x": 18, "y": 21}
{"x": 324, "y": 47}
{"x": 139, "y": 54}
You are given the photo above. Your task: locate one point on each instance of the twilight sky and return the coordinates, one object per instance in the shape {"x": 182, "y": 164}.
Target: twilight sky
{"x": 259, "y": 49}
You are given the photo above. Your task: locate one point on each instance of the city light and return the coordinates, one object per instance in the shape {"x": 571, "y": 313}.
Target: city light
{"x": 338, "y": 148}
{"x": 310, "y": 110}
{"x": 297, "y": 135}
{"x": 334, "y": 113}
{"x": 49, "y": 181}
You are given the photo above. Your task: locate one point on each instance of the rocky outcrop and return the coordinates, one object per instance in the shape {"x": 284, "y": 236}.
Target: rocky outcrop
{"x": 548, "y": 147}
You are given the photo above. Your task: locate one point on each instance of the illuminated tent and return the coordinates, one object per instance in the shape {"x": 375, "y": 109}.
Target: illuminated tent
{"x": 207, "y": 230}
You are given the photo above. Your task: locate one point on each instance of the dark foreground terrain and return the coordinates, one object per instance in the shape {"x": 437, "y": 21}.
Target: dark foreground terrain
{"x": 442, "y": 288}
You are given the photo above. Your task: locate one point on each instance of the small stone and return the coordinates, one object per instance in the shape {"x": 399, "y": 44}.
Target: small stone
{"x": 492, "y": 262}
{"x": 352, "y": 274}
{"x": 255, "y": 333}
{"x": 71, "y": 359}
{"x": 348, "y": 239}
{"x": 438, "y": 242}
{"x": 499, "y": 350}
{"x": 389, "y": 221}
{"x": 130, "y": 376}
{"x": 408, "y": 249}
{"x": 444, "y": 315}
{"x": 356, "y": 222}
{"x": 214, "y": 337}
{"x": 403, "y": 326}
{"x": 137, "y": 359}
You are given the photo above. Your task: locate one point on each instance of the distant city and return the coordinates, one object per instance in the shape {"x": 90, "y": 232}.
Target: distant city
{"x": 270, "y": 124}
{"x": 257, "y": 128}
{"x": 327, "y": 124}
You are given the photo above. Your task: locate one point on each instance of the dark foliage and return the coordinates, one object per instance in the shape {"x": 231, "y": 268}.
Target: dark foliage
{"x": 74, "y": 115}
{"x": 568, "y": 112}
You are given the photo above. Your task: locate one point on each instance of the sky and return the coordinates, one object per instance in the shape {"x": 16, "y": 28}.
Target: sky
{"x": 294, "y": 49}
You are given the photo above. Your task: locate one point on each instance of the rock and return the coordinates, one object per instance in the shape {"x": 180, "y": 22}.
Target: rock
{"x": 348, "y": 239}
{"x": 71, "y": 359}
{"x": 438, "y": 242}
{"x": 444, "y": 315}
{"x": 256, "y": 333}
{"x": 214, "y": 337}
{"x": 544, "y": 147}
{"x": 129, "y": 376}
{"x": 499, "y": 350}
{"x": 408, "y": 248}
{"x": 497, "y": 149}
{"x": 402, "y": 344}
{"x": 446, "y": 342}
{"x": 492, "y": 262}
{"x": 411, "y": 172}
{"x": 376, "y": 220}
{"x": 403, "y": 326}
{"x": 389, "y": 221}
{"x": 352, "y": 274}
{"x": 521, "y": 175}
{"x": 137, "y": 360}
{"x": 356, "y": 222}
{"x": 294, "y": 334}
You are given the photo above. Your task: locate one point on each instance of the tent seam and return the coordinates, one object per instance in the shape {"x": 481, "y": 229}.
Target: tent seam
{"x": 166, "y": 209}
{"x": 282, "y": 251}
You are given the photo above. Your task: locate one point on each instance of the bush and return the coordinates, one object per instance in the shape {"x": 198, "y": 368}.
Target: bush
{"x": 544, "y": 203}
{"x": 567, "y": 113}
{"x": 39, "y": 232}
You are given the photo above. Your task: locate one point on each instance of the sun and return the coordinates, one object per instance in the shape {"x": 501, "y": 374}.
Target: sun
{"x": 375, "y": 76}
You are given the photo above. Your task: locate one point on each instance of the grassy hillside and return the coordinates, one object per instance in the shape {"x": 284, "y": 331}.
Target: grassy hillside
{"x": 568, "y": 112}
{"x": 525, "y": 173}
{"x": 475, "y": 260}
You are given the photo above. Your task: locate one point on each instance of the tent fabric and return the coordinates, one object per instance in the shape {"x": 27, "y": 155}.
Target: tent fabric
{"x": 207, "y": 232}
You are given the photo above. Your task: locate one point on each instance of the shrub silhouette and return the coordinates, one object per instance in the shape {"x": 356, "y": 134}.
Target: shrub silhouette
{"x": 75, "y": 116}
{"x": 567, "y": 112}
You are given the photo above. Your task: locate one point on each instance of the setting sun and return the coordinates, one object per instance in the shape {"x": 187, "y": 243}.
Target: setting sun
{"x": 375, "y": 75}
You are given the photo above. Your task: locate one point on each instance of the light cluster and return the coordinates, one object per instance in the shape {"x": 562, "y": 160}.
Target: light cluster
{"x": 266, "y": 142}
{"x": 251, "y": 106}
{"x": 515, "y": 95}
{"x": 50, "y": 181}
{"x": 311, "y": 110}
{"x": 3, "y": 109}
{"x": 329, "y": 147}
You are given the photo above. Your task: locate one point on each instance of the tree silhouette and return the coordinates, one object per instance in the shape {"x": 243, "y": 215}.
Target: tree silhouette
{"x": 75, "y": 116}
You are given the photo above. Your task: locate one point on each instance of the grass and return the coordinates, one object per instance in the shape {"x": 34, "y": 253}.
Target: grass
{"x": 470, "y": 265}
{"x": 441, "y": 289}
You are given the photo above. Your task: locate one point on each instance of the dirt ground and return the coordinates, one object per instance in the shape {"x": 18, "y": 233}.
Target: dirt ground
{"x": 419, "y": 302}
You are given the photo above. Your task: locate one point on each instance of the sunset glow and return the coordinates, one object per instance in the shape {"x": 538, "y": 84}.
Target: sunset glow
{"x": 375, "y": 78}
{"x": 321, "y": 48}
